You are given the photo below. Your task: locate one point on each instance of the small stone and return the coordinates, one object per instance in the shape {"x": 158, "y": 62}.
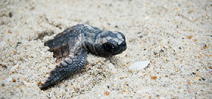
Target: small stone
{"x": 205, "y": 46}
{"x": 189, "y": 37}
{"x": 125, "y": 92}
{"x": 194, "y": 40}
{"x": 189, "y": 82}
{"x": 193, "y": 73}
{"x": 124, "y": 64}
{"x": 9, "y": 31}
{"x": 2, "y": 84}
{"x": 155, "y": 53}
{"x": 38, "y": 82}
{"x": 125, "y": 87}
{"x": 121, "y": 78}
{"x": 14, "y": 80}
{"x": 107, "y": 93}
{"x": 202, "y": 79}
{"x": 10, "y": 14}
{"x": 139, "y": 65}
{"x": 154, "y": 77}
{"x": 162, "y": 50}
{"x": 197, "y": 78}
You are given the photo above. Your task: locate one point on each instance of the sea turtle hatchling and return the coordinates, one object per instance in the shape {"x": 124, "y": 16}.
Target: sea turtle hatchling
{"x": 70, "y": 48}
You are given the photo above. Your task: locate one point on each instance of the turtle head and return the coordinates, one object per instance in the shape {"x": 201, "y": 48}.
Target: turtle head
{"x": 108, "y": 43}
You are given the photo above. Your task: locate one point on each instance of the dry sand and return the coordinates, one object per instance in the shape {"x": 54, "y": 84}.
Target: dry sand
{"x": 175, "y": 36}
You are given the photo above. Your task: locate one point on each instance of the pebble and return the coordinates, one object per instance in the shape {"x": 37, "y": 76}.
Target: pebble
{"x": 107, "y": 93}
{"x": 139, "y": 65}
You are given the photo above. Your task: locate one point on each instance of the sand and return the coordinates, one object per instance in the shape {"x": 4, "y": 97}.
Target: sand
{"x": 175, "y": 36}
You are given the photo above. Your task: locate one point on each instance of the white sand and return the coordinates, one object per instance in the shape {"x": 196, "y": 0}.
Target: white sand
{"x": 175, "y": 36}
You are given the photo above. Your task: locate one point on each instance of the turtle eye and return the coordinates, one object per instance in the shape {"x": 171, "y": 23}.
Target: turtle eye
{"x": 109, "y": 47}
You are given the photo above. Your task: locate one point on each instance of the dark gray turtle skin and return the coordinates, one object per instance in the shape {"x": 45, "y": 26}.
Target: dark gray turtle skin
{"x": 70, "y": 48}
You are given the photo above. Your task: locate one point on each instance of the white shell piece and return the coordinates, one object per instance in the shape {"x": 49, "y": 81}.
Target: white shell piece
{"x": 139, "y": 65}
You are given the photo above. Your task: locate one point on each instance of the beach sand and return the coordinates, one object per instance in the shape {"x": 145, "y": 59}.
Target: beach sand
{"x": 175, "y": 36}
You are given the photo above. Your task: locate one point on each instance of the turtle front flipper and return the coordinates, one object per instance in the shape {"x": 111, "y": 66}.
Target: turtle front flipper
{"x": 59, "y": 46}
{"x": 72, "y": 64}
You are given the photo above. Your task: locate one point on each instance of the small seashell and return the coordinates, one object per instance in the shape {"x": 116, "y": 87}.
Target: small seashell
{"x": 139, "y": 65}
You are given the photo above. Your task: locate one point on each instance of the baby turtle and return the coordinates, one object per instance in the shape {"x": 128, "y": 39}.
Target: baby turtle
{"x": 70, "y": 48}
